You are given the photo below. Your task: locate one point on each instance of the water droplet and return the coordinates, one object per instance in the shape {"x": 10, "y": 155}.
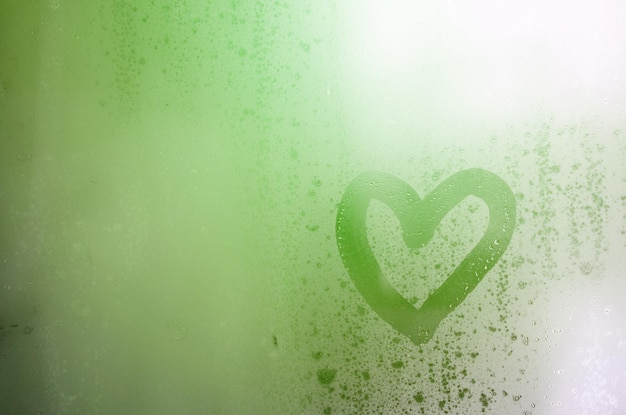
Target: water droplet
{"x": 325, "y": 376}
{"x": 397, "y": 365}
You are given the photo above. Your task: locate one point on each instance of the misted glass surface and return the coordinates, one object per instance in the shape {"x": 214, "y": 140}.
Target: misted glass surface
{"x": 249, "y": 207}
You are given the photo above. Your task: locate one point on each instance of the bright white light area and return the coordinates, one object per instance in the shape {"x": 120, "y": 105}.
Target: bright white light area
{"x": 387, "y": 37}
{"x": 487, "y": 57}
{"x": 588, "y": 364}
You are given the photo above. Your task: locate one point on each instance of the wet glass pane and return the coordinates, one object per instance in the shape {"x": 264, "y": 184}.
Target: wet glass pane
{"x": 249, "y": 207}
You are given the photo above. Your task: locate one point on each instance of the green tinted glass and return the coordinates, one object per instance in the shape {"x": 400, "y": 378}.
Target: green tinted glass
{"x": 289, "y": 207}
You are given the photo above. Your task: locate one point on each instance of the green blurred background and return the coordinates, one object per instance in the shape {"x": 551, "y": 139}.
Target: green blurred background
{"x": 169, "y": 175}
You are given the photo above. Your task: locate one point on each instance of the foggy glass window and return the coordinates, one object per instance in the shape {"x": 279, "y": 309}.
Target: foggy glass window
{"x": 298, "y": 207}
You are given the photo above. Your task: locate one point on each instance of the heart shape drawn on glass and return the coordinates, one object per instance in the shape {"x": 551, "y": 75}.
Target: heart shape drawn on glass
{"x": 418, "y": 220}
